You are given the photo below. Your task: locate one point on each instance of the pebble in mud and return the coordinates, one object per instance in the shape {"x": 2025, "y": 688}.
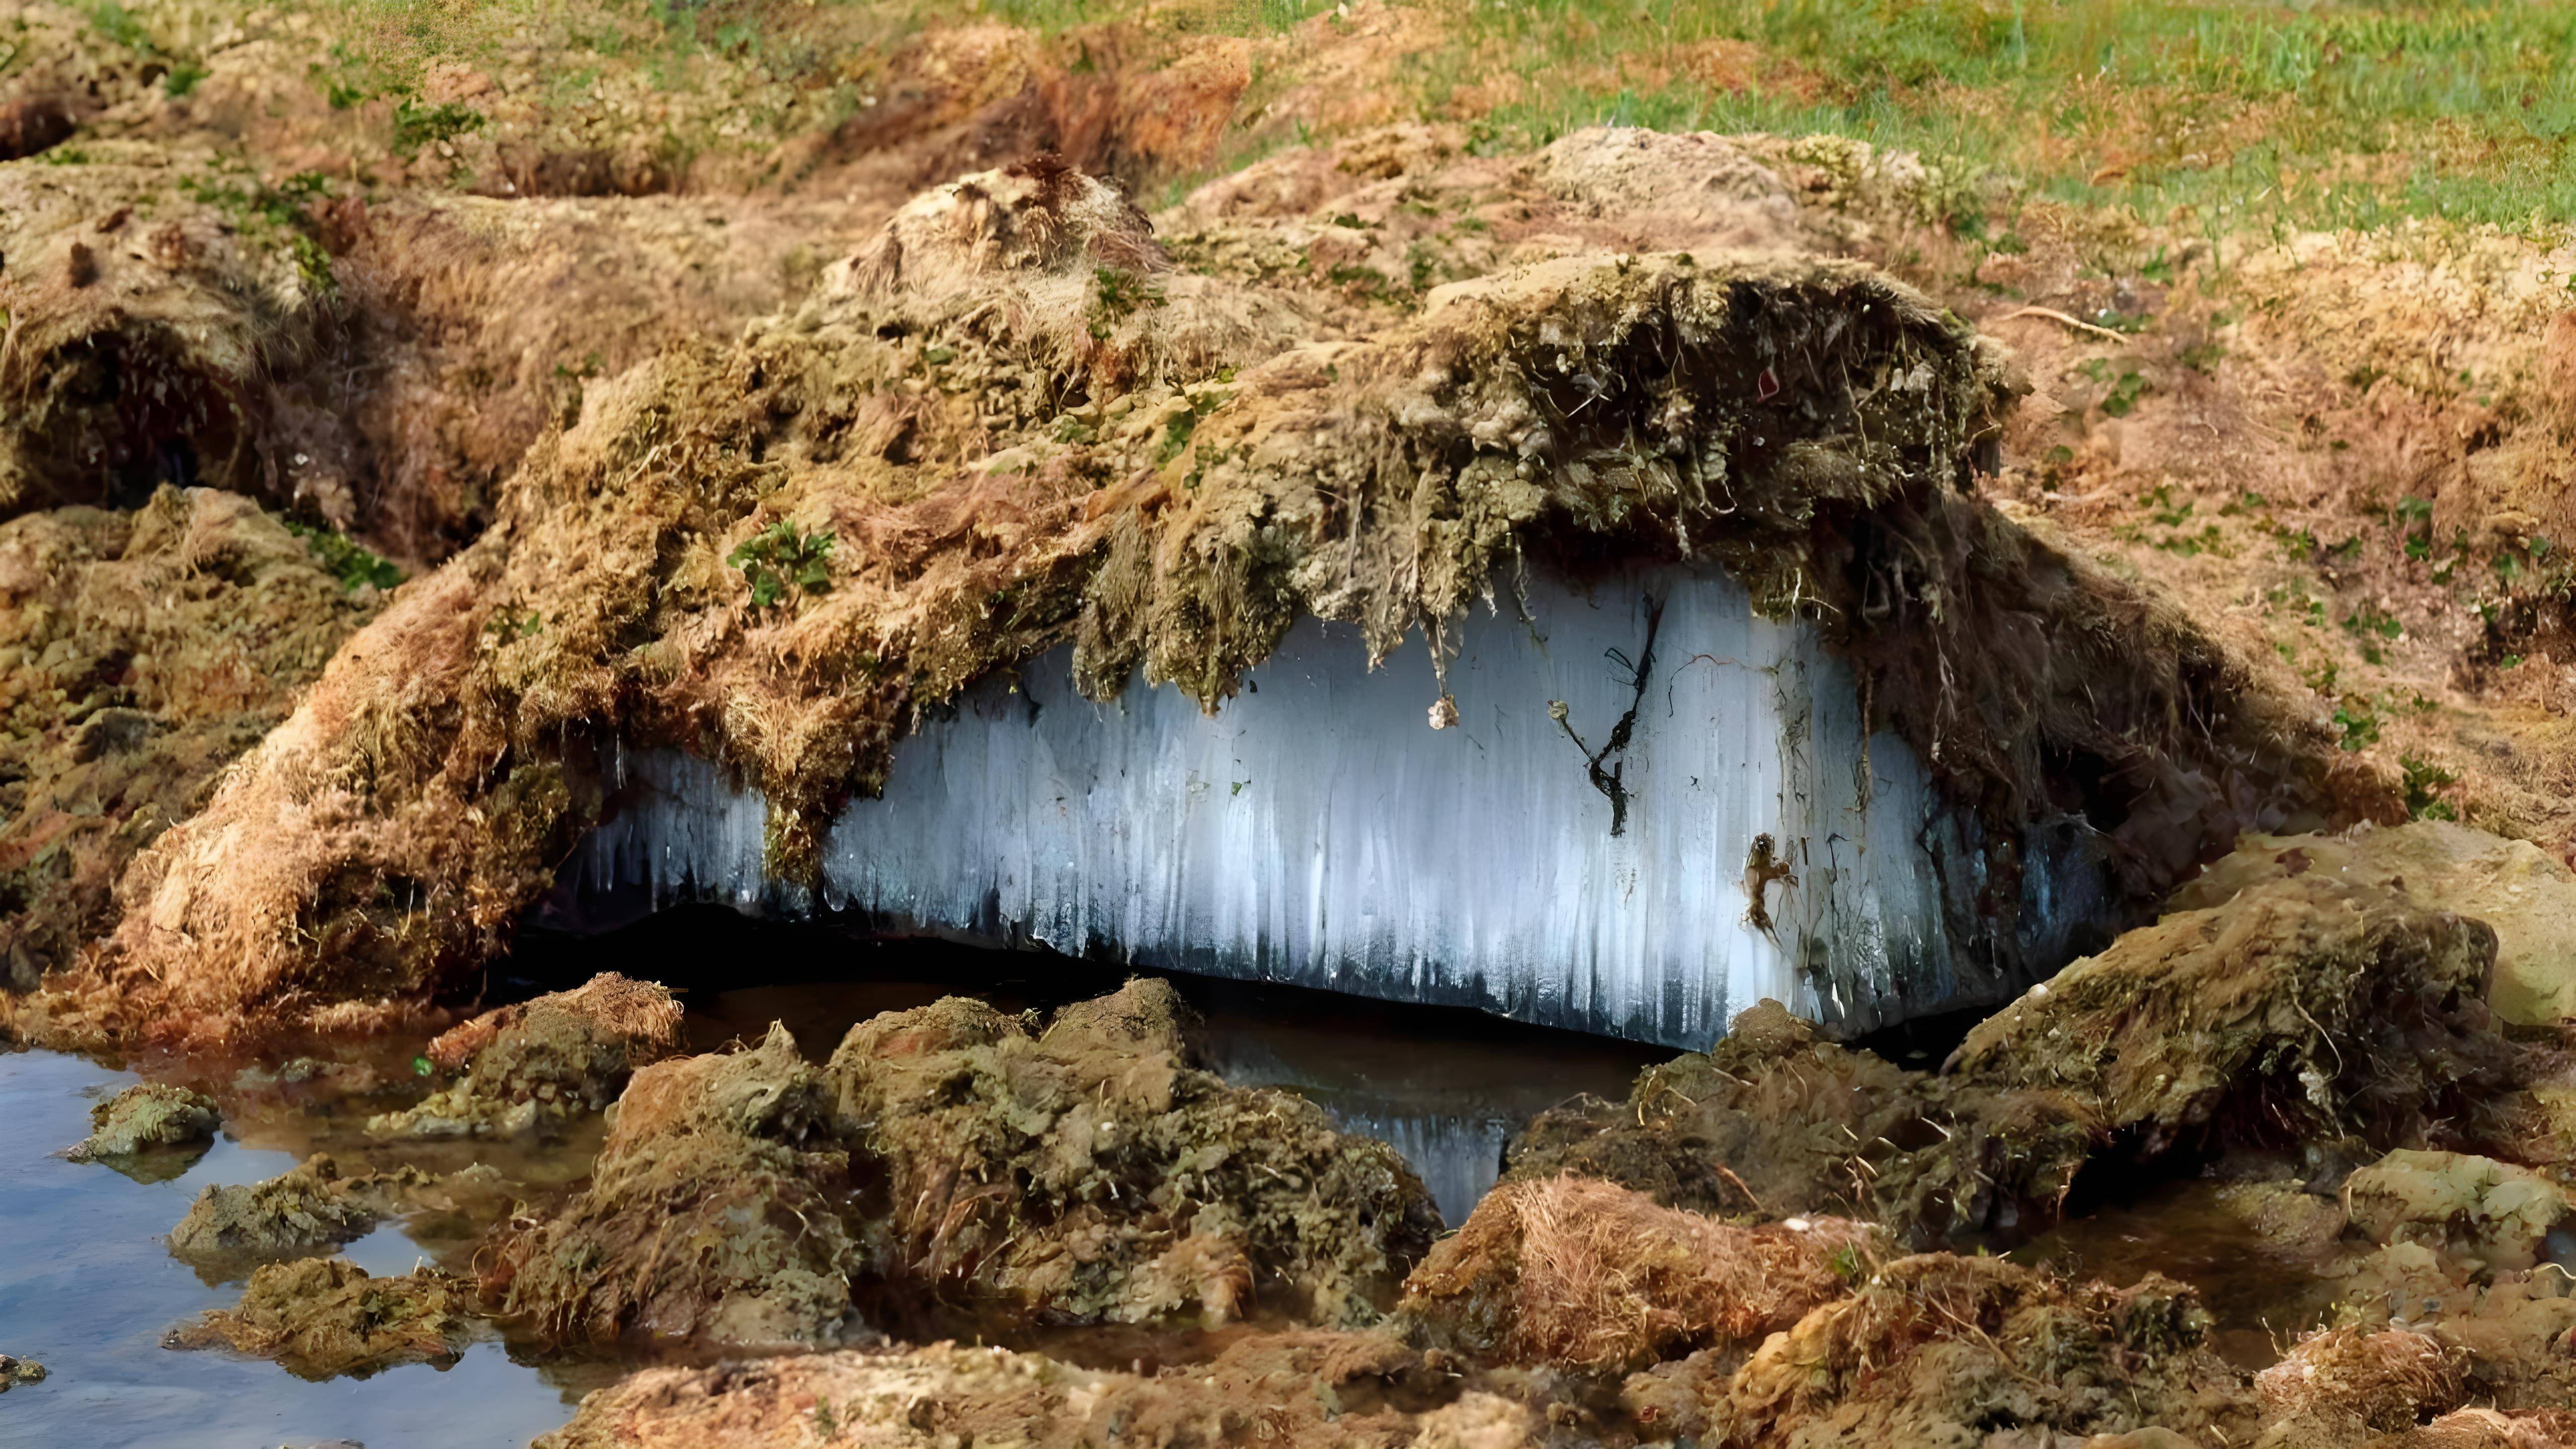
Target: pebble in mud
{"x": 15, "y": 1371}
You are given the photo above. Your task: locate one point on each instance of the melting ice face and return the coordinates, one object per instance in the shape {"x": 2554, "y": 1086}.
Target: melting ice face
{"x": 1650, "y": 810}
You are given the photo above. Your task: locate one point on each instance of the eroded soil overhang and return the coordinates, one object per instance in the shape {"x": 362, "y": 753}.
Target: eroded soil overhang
{"x": 1160, "y": 500}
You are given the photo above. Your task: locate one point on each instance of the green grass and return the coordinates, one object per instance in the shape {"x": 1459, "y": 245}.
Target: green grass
{"x": 2246, "y": 111}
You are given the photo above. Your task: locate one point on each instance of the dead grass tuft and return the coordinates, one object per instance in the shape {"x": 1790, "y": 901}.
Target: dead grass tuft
{"x": 2391, "y": 1379}
{"x": 1579, "y": 1274}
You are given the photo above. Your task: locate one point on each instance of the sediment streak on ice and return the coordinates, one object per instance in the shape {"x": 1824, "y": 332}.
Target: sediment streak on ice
{"x": 1316, "y": 830}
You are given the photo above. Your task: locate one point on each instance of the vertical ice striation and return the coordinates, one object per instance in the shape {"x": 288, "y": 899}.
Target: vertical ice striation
{"x": 1747, "y": 839}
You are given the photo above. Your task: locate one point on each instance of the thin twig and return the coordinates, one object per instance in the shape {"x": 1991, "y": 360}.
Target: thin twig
{"x": 2053, "y": 315}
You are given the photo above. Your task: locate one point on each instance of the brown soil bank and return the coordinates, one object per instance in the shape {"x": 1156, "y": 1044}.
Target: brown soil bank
{"x": 140, "y": 654}
{"x": 1023, "y": 426}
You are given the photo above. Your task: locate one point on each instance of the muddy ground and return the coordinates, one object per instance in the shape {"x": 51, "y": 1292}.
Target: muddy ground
{"x": 391, "y": 420}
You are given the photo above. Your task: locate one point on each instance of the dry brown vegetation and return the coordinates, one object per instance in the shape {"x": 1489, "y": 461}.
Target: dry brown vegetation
{"x": 1583, "y": 1275}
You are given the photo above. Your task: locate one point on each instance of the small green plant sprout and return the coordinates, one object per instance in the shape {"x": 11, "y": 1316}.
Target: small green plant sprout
{"x": 782, "y": 561}
{"x": 417, "y": 126}
{"x": 1118, "y": 294}
{"x": 508, "y": 624}
{"x": 2423, "y": 779}
{"x": 355, "y": 566}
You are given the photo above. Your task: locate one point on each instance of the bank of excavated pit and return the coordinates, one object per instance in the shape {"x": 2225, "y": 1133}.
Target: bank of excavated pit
{"x": 1612, "y": 640}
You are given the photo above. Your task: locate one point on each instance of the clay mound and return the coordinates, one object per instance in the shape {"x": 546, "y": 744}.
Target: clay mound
{"x": 1332, "y": 1391}
{"x": 1586, "y": 1276}
{"x": 714, "y": 1213}
{"x": 324, "y": 1317}
{"x": 534, "y": 1066}
{"x": 1088, "y": 1174}
{"x": 2302, "y": 1010}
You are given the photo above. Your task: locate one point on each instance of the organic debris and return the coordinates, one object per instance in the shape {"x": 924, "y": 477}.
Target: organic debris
{"x": 2392, "y": 1379}
{"x": 531, "y": 1068}
{"x": 1578, "y": 1274}
{"x": 324, "y": 1317}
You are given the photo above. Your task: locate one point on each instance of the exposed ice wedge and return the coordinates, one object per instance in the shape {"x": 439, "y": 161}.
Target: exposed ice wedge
{"x": 1650, "y": 809}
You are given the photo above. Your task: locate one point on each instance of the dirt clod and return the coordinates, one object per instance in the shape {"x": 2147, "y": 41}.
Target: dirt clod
{"x": 311, "y": 1209}
{"x": 531, "y": 1068}
{"x": 1089, "y": 1173}
{"x": 2492, "y": 1211}
{"x": 2301, "y": 1011}
{"x": 149, "y": 1118}
{"x": 1331, "y": 1391}
{"x": 717, "y": 1211}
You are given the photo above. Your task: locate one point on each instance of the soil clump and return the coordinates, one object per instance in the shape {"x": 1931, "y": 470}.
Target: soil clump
{"x": 718, "y": 1210}
{"x": 312, "y": 1209}
{"x": 141, "y": 653}
{"x": 2524, "y": 894}
{"x": 1088, "y": 1173}
{"x": 169, "y": 1124}
{"x": 2297, "y": 1015}
{"x": 321, "y": 1318}
{"x": 1338, "y": 1391}
{"x": 952, "y": 1161}
{"x": 530, "y": 1068}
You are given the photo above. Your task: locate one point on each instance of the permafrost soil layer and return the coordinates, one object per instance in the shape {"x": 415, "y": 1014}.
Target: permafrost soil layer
{"x": 1674, "y": 848}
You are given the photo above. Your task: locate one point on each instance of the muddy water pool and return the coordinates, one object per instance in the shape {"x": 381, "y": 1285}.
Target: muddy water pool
{"x": 87, "y": 1289}
{"x": 87, "y": 1286}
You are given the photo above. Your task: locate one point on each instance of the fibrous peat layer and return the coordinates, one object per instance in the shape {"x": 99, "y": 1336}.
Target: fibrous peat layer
{"x": 403, "y": 420}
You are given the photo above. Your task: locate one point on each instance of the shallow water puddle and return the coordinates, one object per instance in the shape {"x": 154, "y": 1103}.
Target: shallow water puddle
{"x": 87, "y": 1289}
{"x": 2260, "y": 1295}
